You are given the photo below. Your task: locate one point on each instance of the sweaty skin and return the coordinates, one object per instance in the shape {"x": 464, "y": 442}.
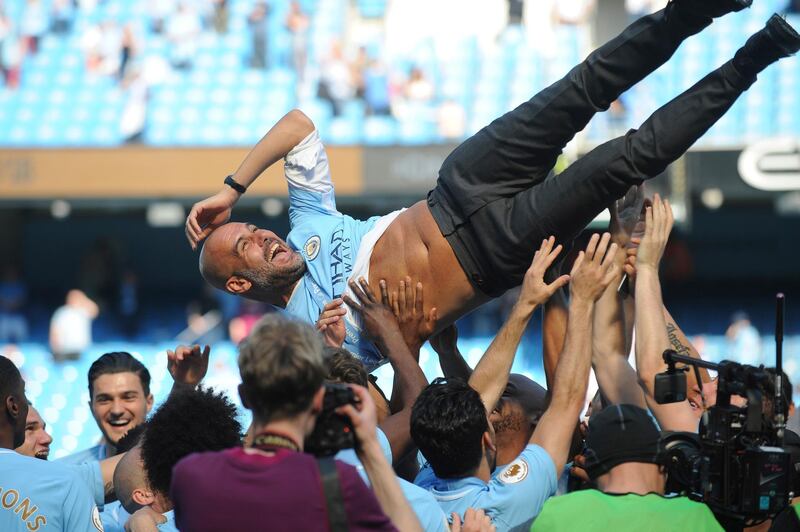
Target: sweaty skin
{"x": 414, "y": 246}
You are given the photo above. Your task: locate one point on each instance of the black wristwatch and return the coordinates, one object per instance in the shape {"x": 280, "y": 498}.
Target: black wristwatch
{"x": 234, "y": 185}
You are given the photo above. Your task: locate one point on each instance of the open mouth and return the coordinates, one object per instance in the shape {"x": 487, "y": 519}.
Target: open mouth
{"x": 42, "y": 455}
{"x": 119, "y": 423}
{"x": 272, "y": 251}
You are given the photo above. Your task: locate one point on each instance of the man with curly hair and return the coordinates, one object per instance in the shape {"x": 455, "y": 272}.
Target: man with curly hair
{"x": 178, "y": 428}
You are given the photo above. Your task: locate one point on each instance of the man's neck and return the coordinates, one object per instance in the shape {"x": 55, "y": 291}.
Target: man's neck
{"x": 288, "y": 428}
{"x": 510, "y": 445}
{"x": 161, "y": 504}
{"x": 6, "y": 441}
{"x": 278, "y": 300}
{"x": 632, "y": 477}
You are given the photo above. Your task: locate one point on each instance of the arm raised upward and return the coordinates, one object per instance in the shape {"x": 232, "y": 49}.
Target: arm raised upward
{"x": 212, "y": 212}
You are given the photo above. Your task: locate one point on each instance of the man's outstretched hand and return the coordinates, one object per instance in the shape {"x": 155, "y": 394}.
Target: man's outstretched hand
{"x": 594, "y": 269}
{"x": 188, "y": 365}
{"x": 209, "y": 214}
{"x": 535, "y": 290}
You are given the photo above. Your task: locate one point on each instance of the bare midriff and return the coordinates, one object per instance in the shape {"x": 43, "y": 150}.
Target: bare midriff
{"x": 413, "y": 246}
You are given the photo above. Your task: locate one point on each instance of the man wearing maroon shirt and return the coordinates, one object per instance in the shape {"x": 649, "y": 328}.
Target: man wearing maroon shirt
{"x": 271, "y": 484}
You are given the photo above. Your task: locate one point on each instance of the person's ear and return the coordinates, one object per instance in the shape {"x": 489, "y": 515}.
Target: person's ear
{"x": 243, "y": 396}
{"x": 143, "y": 496}
{"x": 488, "y": 443}
{"x": 316, "y": 403}
{"x": 12, "y": 406}
{"x": 149, "y": 403}
{"x": 238, "y": 285}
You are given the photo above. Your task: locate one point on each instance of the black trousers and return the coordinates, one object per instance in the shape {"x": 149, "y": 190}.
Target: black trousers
{"x": 495, "y": 199}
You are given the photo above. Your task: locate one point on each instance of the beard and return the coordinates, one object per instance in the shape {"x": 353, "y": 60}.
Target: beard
{"x": 269, "y": 278}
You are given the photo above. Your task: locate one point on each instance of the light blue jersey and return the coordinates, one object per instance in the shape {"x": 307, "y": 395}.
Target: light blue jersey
{"x": 430, "y": 515}
{"x": 92, "y": 454}
{"x": 92, "y": 477}
{"x": 169, "y": 526}
{"x": 512, "y": 498}
{"x": 114, "y": 517}
{"x": 328, "y": 241}
{"x": 36, "y": 495}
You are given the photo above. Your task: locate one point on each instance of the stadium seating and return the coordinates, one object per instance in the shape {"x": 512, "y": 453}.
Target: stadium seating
{"x": 221, "y": 101}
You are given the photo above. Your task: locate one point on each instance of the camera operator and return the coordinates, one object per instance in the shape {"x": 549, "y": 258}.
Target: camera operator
{"x": 451, "y": 420}
{"x": 272, "y": 484}
{"x": 622, "y": 456}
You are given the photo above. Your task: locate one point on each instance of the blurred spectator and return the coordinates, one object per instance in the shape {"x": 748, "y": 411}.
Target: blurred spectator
{"x": 298, "y": 22}
{"x": 258, "y": 22}
{"x": 13, "y": 296}
{"x": 183, "y": 28}
{"x": 129, "y": 308}
{"x": 102, "y": 45}
{"x": 128, "y": 49}
{"x": 62, "y": 13}
{"x": 134, "y": 114}
{"x": 574, "y": 12}
{"x": 515, "y": 10}
{"x": 336, "y": 84}
{"x": 71, "y": 326}
{"x": 100, "y": 271}
{"x": 34, "y": 24}
{"x": 376, "y": 88}
{"x": 158, "y": 11}
{"x": 220, "y": 17}
{"x": 452, "y": 120}
{"x": 203, "y": 320}
{"x": 744, "y": 342}
{"x": 418, "y": 88}
{"x": 358, "y": 69}
{"x": 240, "y": 326}
{"x": 11, "y": 52}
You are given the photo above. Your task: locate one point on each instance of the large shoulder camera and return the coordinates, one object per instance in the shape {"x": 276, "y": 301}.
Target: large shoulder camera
{"x": 332, "y": 432}
{"x": 735, "y": 464}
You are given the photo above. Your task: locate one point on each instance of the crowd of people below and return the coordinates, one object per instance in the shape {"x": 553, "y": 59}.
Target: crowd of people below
{"x": 480, "y": 449}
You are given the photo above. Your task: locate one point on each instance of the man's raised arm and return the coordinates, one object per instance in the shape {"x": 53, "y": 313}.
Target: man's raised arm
{"x": 490, "y": 376}
{"x": 591, "y": 274}
{"x": 212, "y": 212}
{"x": 651, "y": 329}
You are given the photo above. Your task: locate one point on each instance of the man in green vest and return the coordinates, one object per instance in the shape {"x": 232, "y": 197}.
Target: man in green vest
{"x": 622, "y": 457}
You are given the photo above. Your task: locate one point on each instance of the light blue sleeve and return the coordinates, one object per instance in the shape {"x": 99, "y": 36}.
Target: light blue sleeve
{"x": 169, "y": 526}
{"x": 90, "y": 474}
{"x": 518, "y": 492}
{"x": 386, "y": 447}
{"x": 430, "y": 514}
{"x": 80, "y": 512}
{"x": 114, "y": 517}
{"x": 308, "y": 177}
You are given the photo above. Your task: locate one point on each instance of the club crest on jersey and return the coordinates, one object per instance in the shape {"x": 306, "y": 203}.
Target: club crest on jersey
{"x": 515, "y": 472}
{"x": 311, "y": 247}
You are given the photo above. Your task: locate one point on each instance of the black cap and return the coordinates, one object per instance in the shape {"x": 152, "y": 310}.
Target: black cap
{"x": 528, "y": 394}
{"x": 620, "y": 434}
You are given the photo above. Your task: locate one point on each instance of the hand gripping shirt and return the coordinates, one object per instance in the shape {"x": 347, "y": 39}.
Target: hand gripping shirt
{"x": 329, "y": 242}
{"x": 512, "y": 498}
{"x": 36, "y": 495}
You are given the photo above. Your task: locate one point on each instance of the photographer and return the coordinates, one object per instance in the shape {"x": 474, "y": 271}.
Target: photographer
{"x": 271, "y": 484}
{"x": 623, "y": 458}
{"x": 451, "y": 420}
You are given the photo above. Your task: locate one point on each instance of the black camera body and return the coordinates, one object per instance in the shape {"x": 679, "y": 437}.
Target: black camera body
{"x": 332, "y": 432}
{"x": 735, "y": 465}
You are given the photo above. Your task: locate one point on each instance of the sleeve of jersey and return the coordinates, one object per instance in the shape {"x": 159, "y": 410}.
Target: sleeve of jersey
{"x": 80, "y": 511}
{"x": 386, "y": 447}
{"x": 520, "y": 490}
{"x": 309, "y": 179}
{"x": 90, "y": 474}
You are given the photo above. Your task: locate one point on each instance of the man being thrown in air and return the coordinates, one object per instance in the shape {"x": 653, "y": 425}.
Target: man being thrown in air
{"x": 474, "y": 236}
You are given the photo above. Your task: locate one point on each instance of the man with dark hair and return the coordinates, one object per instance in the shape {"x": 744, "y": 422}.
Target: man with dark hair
{"x": 623, "y": 458}
{"x": 451, "y": 419}
{"x": 119, "y": 398}
{"x": 270, "y": 483}
{"x": 495, "y": 195}
{"x": 178, "y": 428}
{"x": 35, "y": 494}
